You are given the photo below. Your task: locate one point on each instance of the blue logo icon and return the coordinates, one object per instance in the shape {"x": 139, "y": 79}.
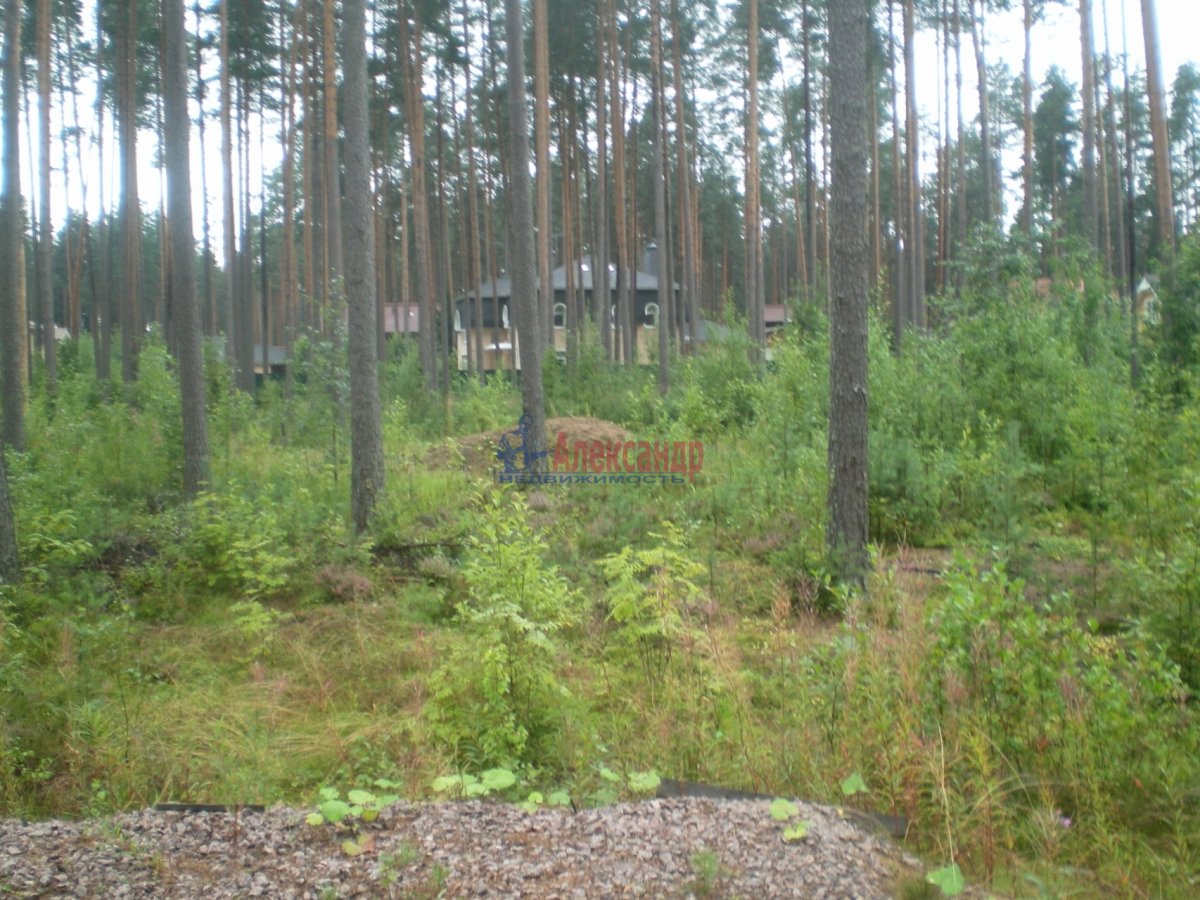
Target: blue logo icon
{"x": 516, "y": 450}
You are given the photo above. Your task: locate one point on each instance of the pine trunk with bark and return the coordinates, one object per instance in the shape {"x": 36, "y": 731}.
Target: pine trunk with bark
{"x": 366, "y": 429}
{"x": 662, "y": 271}
{"x": 1091, "y": 208}
{"x": 1027, "y": 122}
{"x": 1164, "y": 208}
{"x": 521, "y": 250}
{"x": 754, "y": 287}
{"x": 541, "y": 122}
{"x": 987, "y": 162}
{"x": 229, "y": 226}
{"x": 12, "y": 300}
{"x": 415, "y": 108}
{"x": 45, "y": 242}
{"x": 184, "y": 312}
{"x": 131, "y": 214}
{"x": 847, "y": 499}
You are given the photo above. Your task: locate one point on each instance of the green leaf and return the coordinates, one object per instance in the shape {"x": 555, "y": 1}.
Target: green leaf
{"x": 329, "y": 793}
{"x": 444, "y": 783}
{"x": 497, "y": 779}
{"x": 604, "y": 797}
{"x": 559, "y": 798}
{"x": 782, "y": 810}
{"x": 370, "y": 814}
{"x": 315, "y": 819}
{"x": 854, "y": 784}
{"x": 350, "y": 848}
{"x": 475, "y": 789}
{"x": 644, "y": 782}
{"x": 797, "y": 831}
{"x": 609, "y": 775}
{"x": 949, "y": 879}
{"x": 334, "y": 810}
{"x": 362, "y": 798}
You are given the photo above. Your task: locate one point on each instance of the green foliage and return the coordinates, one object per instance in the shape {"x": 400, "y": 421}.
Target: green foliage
{"x": 358, "y": 804}
{"x": 718, "y": 390}
{"x": 235, "y": 546}
{"x": 948, "y": 879}
{"x": 498, "y": 699}
{"x": 648, "y": 594}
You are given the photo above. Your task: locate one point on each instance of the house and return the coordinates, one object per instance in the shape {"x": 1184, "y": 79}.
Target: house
{"x": 492, "y": 323}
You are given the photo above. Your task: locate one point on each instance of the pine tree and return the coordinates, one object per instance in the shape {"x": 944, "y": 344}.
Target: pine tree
{"x": 847, "y": 500}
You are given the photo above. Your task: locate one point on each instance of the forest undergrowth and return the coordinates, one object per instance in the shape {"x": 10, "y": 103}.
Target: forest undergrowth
{"x": 1019, "y": 680}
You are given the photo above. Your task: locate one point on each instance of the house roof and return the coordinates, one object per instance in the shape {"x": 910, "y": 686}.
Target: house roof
{"x": 583, "y": 271}
{"x": 775, "y": 314}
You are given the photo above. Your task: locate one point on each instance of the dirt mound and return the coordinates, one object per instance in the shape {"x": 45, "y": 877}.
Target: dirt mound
{"x": 479, "y": 450}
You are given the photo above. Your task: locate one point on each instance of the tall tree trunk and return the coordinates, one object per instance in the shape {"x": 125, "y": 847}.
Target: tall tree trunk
{"x": 1027, "y": 121}
{"x": 230, "y": 301}
{"x": 1113, "y": 176}
{"x": 810, "y": 172}
{"x": 288, "y": 276}
{"x": 601, "y": 292}
{"x": 12, "y": 237}
{"x": 415, "y": 106}
{"x": 366, "y": 430}
{"x": 541, "y": 120}
{"x": 101, "y": 270}
{"x": 1087, "y": 93}
{"x": 915, "y": 245}
{"x": 987, "y": 160}
{"x": 130, "y": 205}
{"x": 687, "y": 237}
{"x": 902, "y": 285}
{"x": 444, "y": 290}
{"x": 475, "y": 314}
{"x": 333, "y": 181}
{"x": 1163, "y": 193}
{"x": 523, "y": 264}
{"x": 755, "y": 313}
{"x": 625, "y": 272}
{"x": 208, "y": 306}
{"x": 847, "y": 501}
{"x": 45, "y": 244}
{"x": 184, "y": 313}
{"x": 662, "y": 271}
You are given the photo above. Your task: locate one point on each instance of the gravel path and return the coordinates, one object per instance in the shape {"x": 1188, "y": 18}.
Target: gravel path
{"x": 658, "y": 848}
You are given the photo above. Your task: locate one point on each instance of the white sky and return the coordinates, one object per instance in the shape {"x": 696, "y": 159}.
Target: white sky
{"x": 1056, "y": 42}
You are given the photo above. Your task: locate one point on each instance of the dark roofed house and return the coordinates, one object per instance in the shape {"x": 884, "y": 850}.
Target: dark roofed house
{"x": 500, "y": 349}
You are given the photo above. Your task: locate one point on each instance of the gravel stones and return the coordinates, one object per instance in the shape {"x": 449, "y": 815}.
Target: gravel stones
{"x": 658, "y": 848}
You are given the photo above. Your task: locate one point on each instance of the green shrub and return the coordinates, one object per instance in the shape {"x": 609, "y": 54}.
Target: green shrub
{"x": 497, "y": 697}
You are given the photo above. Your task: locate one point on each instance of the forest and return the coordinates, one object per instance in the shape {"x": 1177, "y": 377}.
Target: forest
{"x": 839, "y": 443}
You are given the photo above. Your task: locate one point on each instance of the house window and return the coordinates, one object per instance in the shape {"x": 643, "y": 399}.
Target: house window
{"x": 651, "y": 315}
{"x": 612, "y": 315}
{"x": 560, "y": 315}
{"x": 458, "y": 320}
{"x": 504, "y": 315}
